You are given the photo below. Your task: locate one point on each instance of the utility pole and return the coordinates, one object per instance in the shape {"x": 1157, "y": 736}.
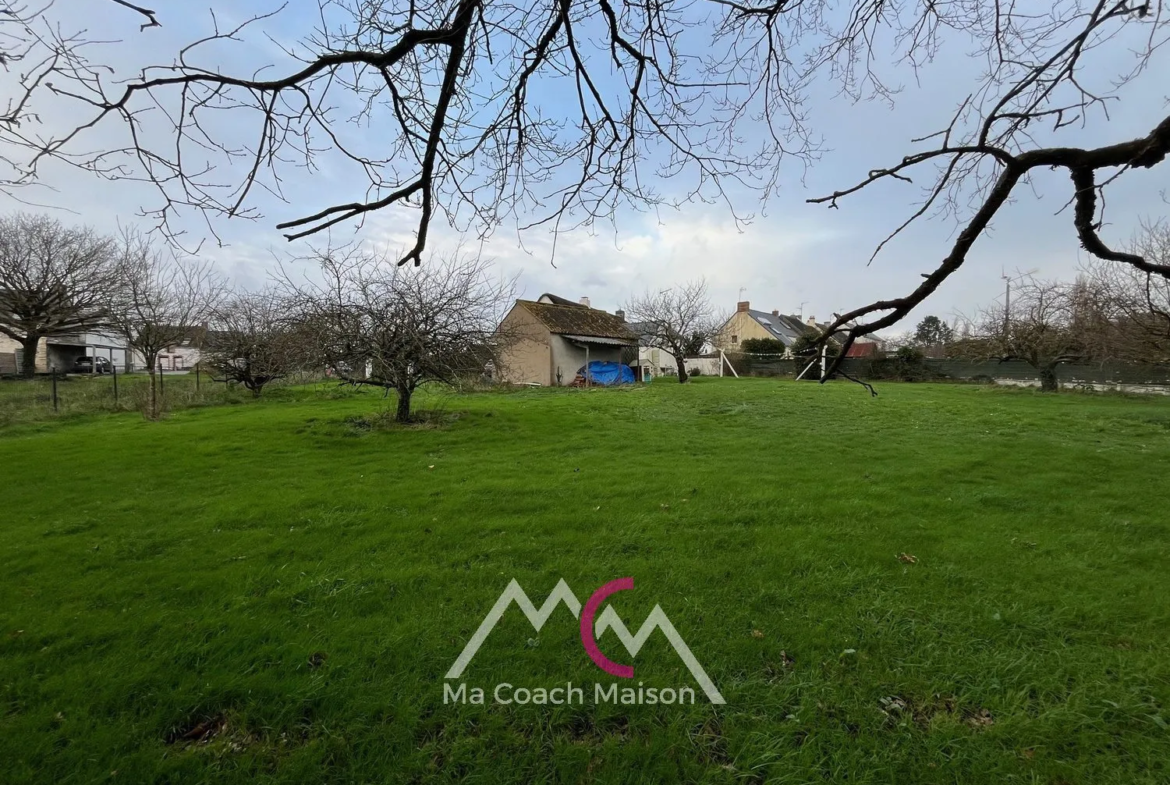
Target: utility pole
{"x": 1007, "y": 301}
{"x": 1007, "y": 295}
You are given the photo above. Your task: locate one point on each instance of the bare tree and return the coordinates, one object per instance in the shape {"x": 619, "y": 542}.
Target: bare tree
{"x": 55, "y": 280}
{"x": 159, "y": 301}
{"x": 382, "y": 325}
{"x": 254, "y": 340}
{"x": 678, "y": 320}
{"x": 1044, "y": 327}
{"x": 465, "y": 97}
{"x": 1138, "y": 302}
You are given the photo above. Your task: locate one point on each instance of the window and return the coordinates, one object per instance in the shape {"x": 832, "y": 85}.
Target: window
{"x": 735, "y": 339}
{"x": 764, "y": 321}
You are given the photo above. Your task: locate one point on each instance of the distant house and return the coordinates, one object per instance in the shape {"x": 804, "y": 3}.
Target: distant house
{"x": 549, "y": 339}
{"x": 653, "y": 361}
{"x": 60, "y": 352}
{"x": 747, "y": 323}
{"x": 183, "y": 355}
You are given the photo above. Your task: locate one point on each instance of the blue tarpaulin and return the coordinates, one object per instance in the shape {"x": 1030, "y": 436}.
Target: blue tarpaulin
{"x": 605, "y": 374}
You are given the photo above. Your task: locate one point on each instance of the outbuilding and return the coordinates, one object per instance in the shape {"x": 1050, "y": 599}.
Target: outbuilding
{"x": 546, "y": 341}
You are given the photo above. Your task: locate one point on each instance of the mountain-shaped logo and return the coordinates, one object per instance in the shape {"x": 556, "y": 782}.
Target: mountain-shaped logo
{"x": 592, "y": 626}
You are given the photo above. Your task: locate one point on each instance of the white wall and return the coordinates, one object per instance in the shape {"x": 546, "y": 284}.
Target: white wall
{"x": 661, "y": 363}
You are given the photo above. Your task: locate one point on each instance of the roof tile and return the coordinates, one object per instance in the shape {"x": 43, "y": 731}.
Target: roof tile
{"x": 578, "y": 320}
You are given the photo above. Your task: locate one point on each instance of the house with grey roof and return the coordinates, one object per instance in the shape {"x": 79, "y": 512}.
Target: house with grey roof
{"x": 747, "y": 323}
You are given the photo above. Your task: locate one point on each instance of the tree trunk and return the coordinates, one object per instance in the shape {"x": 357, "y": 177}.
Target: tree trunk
{"x": 682, "y": 368}
{"x": 403, "y": 412}
{"x": 1048, "y": 381}
{"x": 153, "y": 404}
{"x": 28, "y": 361}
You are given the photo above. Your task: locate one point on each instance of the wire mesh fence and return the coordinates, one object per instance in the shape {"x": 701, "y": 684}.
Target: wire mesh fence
{"x": 57, "y": 394}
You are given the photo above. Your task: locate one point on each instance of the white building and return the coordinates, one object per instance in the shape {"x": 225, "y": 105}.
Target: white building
{"x": 60, "y": 352}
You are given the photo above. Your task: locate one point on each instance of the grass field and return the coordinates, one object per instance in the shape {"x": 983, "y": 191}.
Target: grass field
{"x": 273, "y": 592}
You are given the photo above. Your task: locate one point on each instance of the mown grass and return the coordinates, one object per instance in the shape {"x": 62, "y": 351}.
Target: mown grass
{"x": 273, "y": 592}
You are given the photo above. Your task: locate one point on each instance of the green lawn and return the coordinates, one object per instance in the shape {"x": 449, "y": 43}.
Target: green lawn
{"x": 273, "y": 591}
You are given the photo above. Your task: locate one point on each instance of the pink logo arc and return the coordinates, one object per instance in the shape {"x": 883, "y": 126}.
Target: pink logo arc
{"x": 587, "y": 615}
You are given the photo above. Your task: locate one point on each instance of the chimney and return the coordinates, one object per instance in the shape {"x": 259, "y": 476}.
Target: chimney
{"x": 743, "y": 306}
{"x": 811, "y": 321}
{"x": 775, "y": 313}
{"x": 619, "y": 313}
{"x": 585, "y": 301}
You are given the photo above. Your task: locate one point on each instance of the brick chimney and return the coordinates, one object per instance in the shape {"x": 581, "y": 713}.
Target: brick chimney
{"x": 619, "y": 313}
{"x": 585, "y": 301}
{"x": 811, "y": 321}
{"x": 775, "y": 313}
{"x": 743, "y": 306}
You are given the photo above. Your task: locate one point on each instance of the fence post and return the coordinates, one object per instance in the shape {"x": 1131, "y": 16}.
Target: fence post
{"x": 53, "y": 370}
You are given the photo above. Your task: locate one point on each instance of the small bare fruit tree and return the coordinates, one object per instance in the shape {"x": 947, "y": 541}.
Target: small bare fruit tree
{"x": 1040, "y": 328}
{"x": 159, "y": 301}
{"x": 1138, "y": 301}
{"x": 678, "y": 320}
{"x": 254, "y": 340}
{"x": 395, "y": 327}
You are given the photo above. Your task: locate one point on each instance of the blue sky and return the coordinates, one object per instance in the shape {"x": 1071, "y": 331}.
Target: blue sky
{"x": 793, "y": 255}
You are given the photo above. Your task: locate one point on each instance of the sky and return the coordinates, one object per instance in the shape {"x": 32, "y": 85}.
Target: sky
{"x": 793, "y": 256}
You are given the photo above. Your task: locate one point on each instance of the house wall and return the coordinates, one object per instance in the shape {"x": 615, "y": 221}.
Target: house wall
{"x": 742, "y": 327}
{"x": 662, "y": 363}
{"x": 10, "y": 347}
{"x": 570, "y": 357}
{"x": 183, "y": 358}
{"x": 173, "y": 358}
{"x": 528, "y": 357}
